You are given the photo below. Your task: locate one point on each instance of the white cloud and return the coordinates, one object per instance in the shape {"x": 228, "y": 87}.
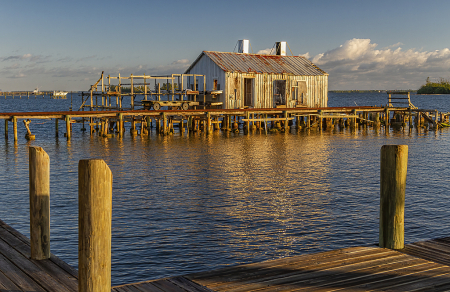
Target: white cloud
{"x": 268, "y": 51}
{"x": 357, "y": 64}
{"x": 307, "y": 55}
{"x": 182, "y": 61}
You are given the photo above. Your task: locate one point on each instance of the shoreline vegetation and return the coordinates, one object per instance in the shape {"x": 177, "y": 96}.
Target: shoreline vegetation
{"x": 371, "y": 91}
{"x": 440, "y": 87}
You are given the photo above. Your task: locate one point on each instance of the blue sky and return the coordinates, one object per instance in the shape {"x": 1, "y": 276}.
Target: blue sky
{"x": 64, "y": 45}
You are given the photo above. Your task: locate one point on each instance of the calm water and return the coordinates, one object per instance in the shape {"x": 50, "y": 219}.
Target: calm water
{"x": 193, "y": 203}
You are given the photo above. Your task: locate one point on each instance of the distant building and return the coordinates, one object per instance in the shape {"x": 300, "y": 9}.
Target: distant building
{"x": 261, "y": 81}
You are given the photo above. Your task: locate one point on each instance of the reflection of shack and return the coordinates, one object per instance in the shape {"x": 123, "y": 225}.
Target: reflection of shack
{"x": 240, "y": 80}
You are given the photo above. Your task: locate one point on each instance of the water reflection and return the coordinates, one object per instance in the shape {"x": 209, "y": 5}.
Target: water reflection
{"x": 189, "y": 202}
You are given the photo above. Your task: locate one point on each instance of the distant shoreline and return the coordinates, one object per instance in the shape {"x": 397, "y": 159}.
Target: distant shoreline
{"x": 371, "y": 91}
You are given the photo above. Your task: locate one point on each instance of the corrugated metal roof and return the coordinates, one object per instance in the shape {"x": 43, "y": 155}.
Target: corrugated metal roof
{"x": 237, "y": 62}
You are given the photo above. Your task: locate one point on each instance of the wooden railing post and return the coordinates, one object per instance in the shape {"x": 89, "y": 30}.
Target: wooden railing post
{"x": 94, "y": 223}
{"x": 39, "y": 167}
{"x": 393, "y": 169}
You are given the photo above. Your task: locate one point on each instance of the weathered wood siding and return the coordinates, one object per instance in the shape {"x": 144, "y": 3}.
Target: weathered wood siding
{"x": 263, "y": 86}
{"x": 263, "y": 89}
{"x": 205, "y": 66}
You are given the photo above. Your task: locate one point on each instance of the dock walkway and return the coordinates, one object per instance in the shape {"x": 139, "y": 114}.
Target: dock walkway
{"x": 421, "y": 266}
{"x": 20, "y": 273}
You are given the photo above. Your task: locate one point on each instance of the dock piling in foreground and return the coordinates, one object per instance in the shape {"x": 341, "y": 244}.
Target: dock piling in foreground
{"x": 94, "y": 223}
{"x": 393, "y": 168}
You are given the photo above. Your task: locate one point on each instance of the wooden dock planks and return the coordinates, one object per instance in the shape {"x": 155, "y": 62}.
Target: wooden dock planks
{"x": 19, "y": 273}
{"x": 175, "y": 284}
{"x": 352, "y": 269}
{"x": 420, "y": 266}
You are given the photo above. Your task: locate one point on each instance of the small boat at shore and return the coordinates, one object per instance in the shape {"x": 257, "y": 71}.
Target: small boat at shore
{"x": 60, "y": 93}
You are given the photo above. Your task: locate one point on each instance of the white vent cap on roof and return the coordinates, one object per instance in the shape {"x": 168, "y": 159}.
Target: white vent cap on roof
{"x": 280, "y": 48}
{"x": 243, "y": 46}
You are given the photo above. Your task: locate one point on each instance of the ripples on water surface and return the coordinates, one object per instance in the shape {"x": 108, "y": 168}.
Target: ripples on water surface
{"x": 193, "y": 203}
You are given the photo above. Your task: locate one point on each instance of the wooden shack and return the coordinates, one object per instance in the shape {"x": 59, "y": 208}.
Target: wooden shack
{"x": 241, "y": 80}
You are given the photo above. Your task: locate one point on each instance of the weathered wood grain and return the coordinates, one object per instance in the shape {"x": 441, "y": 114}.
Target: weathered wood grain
{"x": 39, "y": 176}
{"x": 393, "y": 168}
{"x": 94, "y": 223}
{"x": 48, "y": 266}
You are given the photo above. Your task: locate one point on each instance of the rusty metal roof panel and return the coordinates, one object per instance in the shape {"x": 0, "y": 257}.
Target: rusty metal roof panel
{"x": 237, "y": 62}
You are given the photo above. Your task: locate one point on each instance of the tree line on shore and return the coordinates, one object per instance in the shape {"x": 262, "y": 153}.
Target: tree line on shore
{"x": 442, "y": 86}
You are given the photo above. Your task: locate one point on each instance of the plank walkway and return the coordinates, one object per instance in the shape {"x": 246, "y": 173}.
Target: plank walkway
{"x": 19, "y": 273}
{"x": 421, "y": 266}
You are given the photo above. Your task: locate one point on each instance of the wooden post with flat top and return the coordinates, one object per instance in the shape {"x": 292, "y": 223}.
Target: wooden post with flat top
{"x": 393, "y": 168}
{"x": 94, "y": 223}
{"x": 39, "y": 167}
{"x": 15, "y": 128}
{"x": 68, "y": 129}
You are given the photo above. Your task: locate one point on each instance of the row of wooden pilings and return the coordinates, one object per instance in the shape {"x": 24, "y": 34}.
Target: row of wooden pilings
{"x": 95, "y": 211}
{"x": 165, "y": 121}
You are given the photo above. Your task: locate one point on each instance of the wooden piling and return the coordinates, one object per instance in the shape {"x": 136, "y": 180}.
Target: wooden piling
{"x": 120, "y": 125}
{"x": 165, "y": 131}
{"x": 148, "y": 125}
{"x": 94, "y": 222}
{"x": 393, "y": 169}
{"x": 386, "y": 123}
{"x": 208, "y": 123}
{"x": 68, "y": 127}
{"x": 15, "y": 128}
{"x": 286, "y": 123}
{"x": 56, "y": 127}
{"x": 39, "y": 172}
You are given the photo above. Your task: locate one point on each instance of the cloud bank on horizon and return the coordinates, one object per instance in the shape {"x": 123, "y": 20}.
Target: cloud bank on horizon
{"x": 359, "y": 64}
{"x": 356, "y": 64}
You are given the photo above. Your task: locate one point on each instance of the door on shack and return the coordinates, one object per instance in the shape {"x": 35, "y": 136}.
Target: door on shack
{"x": 248, "y": 92}
{"x": 299, "y": 94}
{"x": 279, "y": 93}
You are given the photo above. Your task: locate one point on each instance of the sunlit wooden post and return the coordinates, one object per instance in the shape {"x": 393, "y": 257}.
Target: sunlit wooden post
{"x": 39, "y": 168}
{"x": 15, "y": 128}
{"x": 393, "y": 168}
{"x": 94, "y": 223}
{"x": 68, "y": 129}
{"x": 148, "y": 125}
{"x": 120, "y": 125}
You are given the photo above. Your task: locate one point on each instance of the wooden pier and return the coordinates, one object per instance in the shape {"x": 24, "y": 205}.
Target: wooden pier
{"x": 108, "y": 123}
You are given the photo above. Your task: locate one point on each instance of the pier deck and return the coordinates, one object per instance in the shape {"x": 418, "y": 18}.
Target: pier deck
{"x": 421, "y": 266}
{"x": 19, "y": 273}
